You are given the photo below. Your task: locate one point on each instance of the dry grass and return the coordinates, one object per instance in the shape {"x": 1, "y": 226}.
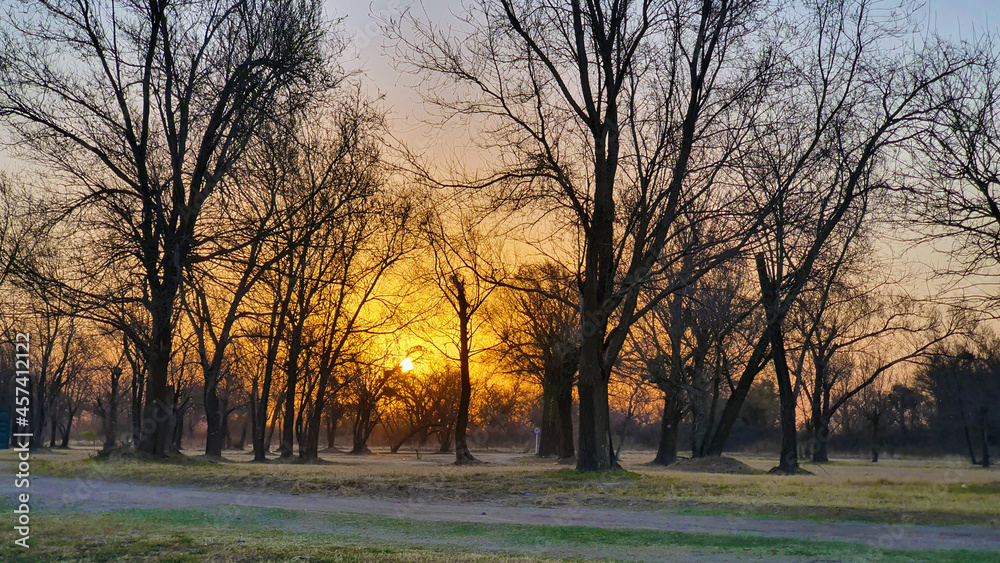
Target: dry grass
{"x": 724, "y": 465}
{"x": 945, "y": 491}
{"x": 238, "y": 534}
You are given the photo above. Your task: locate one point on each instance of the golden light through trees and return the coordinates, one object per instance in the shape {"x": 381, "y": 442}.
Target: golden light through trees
{"x": 587, "y": 267}
{"x": 406, "y": 365}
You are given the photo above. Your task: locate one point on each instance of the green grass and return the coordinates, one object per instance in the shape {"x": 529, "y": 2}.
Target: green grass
{"x": 189, "y": 535}
{"x": 893, "y": 491}
{"x": 976, "y": 489}
{"x": 250, "y": 534}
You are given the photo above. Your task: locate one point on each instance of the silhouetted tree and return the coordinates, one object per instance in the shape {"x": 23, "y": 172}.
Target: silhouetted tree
{"x": 141, "y": 111}
{"x": 538, "y": 330}
{"x": 459, "y": 272}
{"x": 963, "y": 383}
{"x": 611, "y": 116}
{"x": 820, "y": 159}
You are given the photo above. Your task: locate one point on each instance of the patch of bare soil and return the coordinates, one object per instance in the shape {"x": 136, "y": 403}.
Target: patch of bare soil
{"x": 722, "y": 464}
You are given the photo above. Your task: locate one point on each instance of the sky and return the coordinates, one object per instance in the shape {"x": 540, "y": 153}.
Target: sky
{"x": 368, "y": 53}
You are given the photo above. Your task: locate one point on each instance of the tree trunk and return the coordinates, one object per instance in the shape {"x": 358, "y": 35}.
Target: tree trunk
{"x": 361, "y": 430}
{"x": 242, "y": 444}
{"x": 300, "y": 417}
{"x": 275, "y": 424}
{"x": 564, "y": 407}
{"x": 309, "y": 450}
{"x": 821, "y": 434}
{"x": 462, "y": 453}
{"x": 37, "y": 416}
{"x": 111, "y": 416}
{"x": 309, "y": 443}
{"x": 823, "y": 431}
{"x": 421, "y": 430}
{"x": 820, "y": 424}
{"x": 818, "y": 421}
{"x": 288, "y": 423}
{"x": 444, "y": 441}
{"x": 227, "y": 439}
{"x": 666, "y": 451}
{"x": 986, "y": 441}
{"x": 215, "y": 436}
{"x": 548, "y": 439}
{"x": 258, "y": 418}
{"x": 875, "y": 420}
{"x": 701, "y": 422}
{"x": 52, "y": 437}
{"x": 136, "y": 406}
{"x": 594, "y": 452}
{"x": 721, "y": 367}
{"x": 698, "y": 399}
{"x": 331, "y": 430}
{"x": 157, "y": 427}
{"x": 177, "y": 438}
{"x": 789, "y": 461}
{"x": 731, "y": 412}
{"x": 967, "y": 432}
{"x": 66, "y": 429}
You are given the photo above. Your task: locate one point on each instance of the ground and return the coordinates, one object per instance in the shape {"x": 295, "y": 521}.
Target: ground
{"x": 405, "y": 507}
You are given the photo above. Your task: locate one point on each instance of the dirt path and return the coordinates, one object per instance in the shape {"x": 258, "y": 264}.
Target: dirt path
{"x": 83, "y": 495}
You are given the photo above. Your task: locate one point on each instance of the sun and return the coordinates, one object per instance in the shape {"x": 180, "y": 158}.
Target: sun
{"x": 406, "y": 365}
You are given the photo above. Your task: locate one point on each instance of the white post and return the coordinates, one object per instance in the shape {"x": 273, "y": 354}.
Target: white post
{"x": 538, "y": 432}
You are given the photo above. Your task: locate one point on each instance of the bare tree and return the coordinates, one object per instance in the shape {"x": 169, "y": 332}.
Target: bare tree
{"x": 374, "y": 237}
{"x": 214, "y": 302}
{"x": 853, "y": 325}
{"x": 73, "y": 399}
{"x": 956, "y": 189}
{"x": 962, "y": 382}
{"x": 609, "y": 116}
{"x": 425, "y": 405}
{"x": 539, "y": 339}
{"x": 827, "y": 149}
{"x": 338, "y": 233}
{"x": 873, "y": 404}
{"x": 688, "y": 346}
{"x": 59, "y": 353}
{"x": 500, "y": 410}
{"x": 461, "y": 274}
{"x": 141, "y": 112}
{"x": 181, "y": 388}
{"x": 108, "y": 398}
{"x": 372, "y": 387}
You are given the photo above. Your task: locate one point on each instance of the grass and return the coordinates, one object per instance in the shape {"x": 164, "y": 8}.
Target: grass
{"x": 252, "y": 534}
{"x": 944, "y": 492}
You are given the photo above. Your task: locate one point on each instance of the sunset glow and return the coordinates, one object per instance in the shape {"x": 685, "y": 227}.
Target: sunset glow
{"x": 738, "y": 256}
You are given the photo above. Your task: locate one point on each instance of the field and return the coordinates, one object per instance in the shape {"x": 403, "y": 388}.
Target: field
{"x": 895, "y": 495}
{"x": 891, "y": 491}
